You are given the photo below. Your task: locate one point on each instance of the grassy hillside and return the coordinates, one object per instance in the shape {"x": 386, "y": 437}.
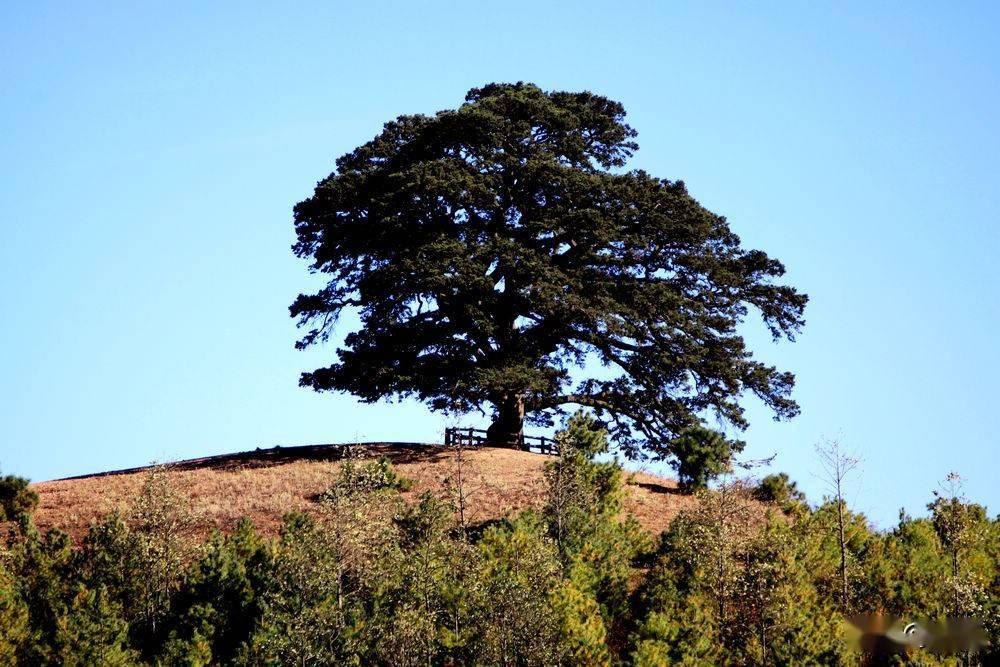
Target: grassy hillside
{"x": 383, "y": 574}
{"x": 266, "y": 484}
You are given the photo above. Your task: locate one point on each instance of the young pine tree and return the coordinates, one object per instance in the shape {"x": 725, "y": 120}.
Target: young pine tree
{"x": 519, "y": 569}
{"x": 91, "y": 631}
{"x": 15, "y": 632}
{"x": 597, "y": 546}
{"x": 700, "y": 455}
{"x": 218, "y": 605}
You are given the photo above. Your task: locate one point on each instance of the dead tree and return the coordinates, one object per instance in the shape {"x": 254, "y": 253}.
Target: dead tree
{"x": 837, "y": 465}
{"x": 456, "y": 482}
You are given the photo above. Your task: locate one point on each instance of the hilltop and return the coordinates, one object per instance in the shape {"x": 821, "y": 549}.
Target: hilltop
{"x": 265, "y": 484}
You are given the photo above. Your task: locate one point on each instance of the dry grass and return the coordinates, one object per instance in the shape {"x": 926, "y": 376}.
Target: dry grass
{"x": 264, "y": 485}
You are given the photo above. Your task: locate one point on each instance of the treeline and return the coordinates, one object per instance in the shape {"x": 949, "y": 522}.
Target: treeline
{"x": 752, "y": 575}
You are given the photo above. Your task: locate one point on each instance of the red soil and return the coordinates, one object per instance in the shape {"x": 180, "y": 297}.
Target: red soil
{"x": 266, "y": 484}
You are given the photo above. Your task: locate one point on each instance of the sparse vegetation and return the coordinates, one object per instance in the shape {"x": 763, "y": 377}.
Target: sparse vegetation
{"x": 495, "y": 483}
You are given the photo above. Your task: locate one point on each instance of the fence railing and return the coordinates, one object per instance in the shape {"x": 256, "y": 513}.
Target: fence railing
{"x": 474, "y": 438}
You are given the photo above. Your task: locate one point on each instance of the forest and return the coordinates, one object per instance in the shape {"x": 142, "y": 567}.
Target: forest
{"x": 754, "y": 574}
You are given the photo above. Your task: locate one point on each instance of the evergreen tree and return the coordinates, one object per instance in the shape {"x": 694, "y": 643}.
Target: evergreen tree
{"x": 518, "y": 574}
{"x": 596, "y": 545}
{"x": 15, "y": 628}
{"x": 329, "y": 571}
{"x": 783, "y": 492}
{"x": 734, "y": 587}
{"x": 782, "y": 620}
{"x": 308, "y": 616}
{"x": 701, "y": 455}
{"x": 492, "y": 249}
{"x": 44, "y": 568}
{"x": 17, "y": 501}
{"x": 218, "y": 605}
{"x": 372, "y": 579}
{"x": 581, "y": 627}
{"x": 677, "y": 636}
{"x": 432, "y": 621}
{"x": 91, "y": 632}
{"x": 920, "y": 570}
{"x": 962, "y": 528}
{"x": 821, "y": 528}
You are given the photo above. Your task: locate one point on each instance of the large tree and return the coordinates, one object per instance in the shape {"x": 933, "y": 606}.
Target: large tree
{"x": 496, "y": 253}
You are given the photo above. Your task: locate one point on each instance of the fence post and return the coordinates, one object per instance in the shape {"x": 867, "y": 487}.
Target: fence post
{"x": 455, "y": 436}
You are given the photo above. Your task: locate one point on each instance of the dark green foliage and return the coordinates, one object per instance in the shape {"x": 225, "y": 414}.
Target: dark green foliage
{"x": 215, "y": 610}
{"x": 433, "y": 619}
{"x": 310, "y": 607}
{"x": 17, "y": 501}
{"x": 91, "y": 631}
{"x": 44, "y": 566}
{"x": 700, "y": 455}
{"x": 597, "y": 547}
{"x": 519, "y": 571}
{"x": 491, "y": 250}
{"x": 369, "y": 579}
{"x": 863, "y": 552}
{"x": 15, "y": 627}
{"x": 725, "y": 590}
{"x": 781, "y": 491}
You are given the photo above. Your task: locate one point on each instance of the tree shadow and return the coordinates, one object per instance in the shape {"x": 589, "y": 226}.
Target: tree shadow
{"x": 661, "y": 488}
{"x": 395, "y": 452}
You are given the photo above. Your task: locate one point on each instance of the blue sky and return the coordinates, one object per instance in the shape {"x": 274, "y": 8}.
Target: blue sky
{"x": 151, "y": 153}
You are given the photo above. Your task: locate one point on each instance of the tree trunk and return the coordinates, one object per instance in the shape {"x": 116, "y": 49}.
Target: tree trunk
{"x": 843, "y": 553}
{"x": 507, "y": 429}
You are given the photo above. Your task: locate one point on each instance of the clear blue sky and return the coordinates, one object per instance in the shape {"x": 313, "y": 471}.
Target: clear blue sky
{"x": 150, "y": 157}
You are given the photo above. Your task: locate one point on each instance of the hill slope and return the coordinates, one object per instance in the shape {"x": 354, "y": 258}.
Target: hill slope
{"x": 265, "y": 484}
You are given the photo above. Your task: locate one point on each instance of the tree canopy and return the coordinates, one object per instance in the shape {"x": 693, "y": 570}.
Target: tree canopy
{"x": 498, "y": 252}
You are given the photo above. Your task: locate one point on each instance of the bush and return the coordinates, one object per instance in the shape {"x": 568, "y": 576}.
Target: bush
{"x": 367, "y": 477}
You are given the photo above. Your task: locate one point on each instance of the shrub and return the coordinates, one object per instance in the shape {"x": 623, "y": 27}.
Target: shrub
{"x": 366, "y": 477}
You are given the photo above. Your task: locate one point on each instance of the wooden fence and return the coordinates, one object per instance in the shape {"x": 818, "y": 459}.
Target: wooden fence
{"x": 474, "y": 438}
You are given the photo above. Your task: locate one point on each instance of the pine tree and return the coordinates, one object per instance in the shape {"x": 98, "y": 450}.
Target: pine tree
{"x": 492, "y": 249}
{"x": 218, "y": 605}
{"x": 597, "y": 546}
{"x": 15, "y": 632}
{"x": 91, "y": 631}
{"x": 700, "y": 455}
{"x": 17, "y": 501}
{"x": 519, "y": 569}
